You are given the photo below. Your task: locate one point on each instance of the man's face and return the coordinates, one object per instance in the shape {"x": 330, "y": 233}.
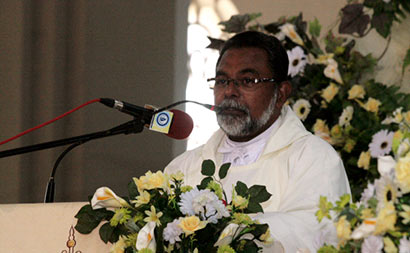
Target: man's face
{"x": 245, "y": 114}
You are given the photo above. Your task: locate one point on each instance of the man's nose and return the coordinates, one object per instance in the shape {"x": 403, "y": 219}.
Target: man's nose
{"x": 232, "y": 89}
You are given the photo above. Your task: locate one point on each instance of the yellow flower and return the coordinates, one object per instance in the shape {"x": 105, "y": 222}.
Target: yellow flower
{"x": 357, "y": 91}
{"x": 330, "y": 92}
{"x": 331, "y": 71}
{"x": 343, "y": 229}
{"x": 405, "y": 214}
{"x": 119, "y": 246}
{"x": 104, "y": 197}
{"x": 179, "y": 176}
{"x": 289, "y": 31}
{"x": 239, "y": 201}
{"x": 321, "y": 129}
{"x": 386, "y": 219}
{"x": 367, "y": 213}
{"x": 372, "y": 105}
{"x": 349, "y": 145}
{"x": 364, "y": 160}
{"x": 407, "y": 117}
{"x": 336, "y": 131}
{"x": 403, "y": 173}
{"x": 323, "y": 58}
{"x": 389, "y": 246}
{"x": 142, "y": 199}
{"x": 242, "y": 218}
{"x": 266, "y": 238}
{"x": 146, "y": 238}
{"x": 191, "y": 224}
{"x": 151, "y": 181}
{"x": 153, "y": 216}
{"x": 324, "y": 208}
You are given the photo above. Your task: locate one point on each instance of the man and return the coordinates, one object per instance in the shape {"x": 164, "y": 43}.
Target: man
{"x": 266, "y": 143}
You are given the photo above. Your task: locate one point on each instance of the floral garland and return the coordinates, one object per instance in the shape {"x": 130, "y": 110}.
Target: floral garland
{"x": 332, "y": 92}
{"x": 164, "y": 215}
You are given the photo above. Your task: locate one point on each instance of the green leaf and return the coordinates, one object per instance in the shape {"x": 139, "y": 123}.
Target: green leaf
{"x": 253, "y": 207}
{"x": 88, "y": 219}
{"x": 382, "y": 23}
{"x": 259, "y": 193}
{"x": 216, "y": 43}
{"x": 315, "y": 27}
{"x": 106, "y": 233}
{"x": 204, "y": 183}
{"x": 353, "y": 20}
{"x": 223, "y": 171}
{"x": 132, "y": 190}
{"x": 406, "y": 61}
{"x": 236, "y": 23}
{"x": 208, "y": 168}
{"x": 241, "y": 189}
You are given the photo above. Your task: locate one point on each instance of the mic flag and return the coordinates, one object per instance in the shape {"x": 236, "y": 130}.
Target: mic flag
{"x": 161, "y": 122}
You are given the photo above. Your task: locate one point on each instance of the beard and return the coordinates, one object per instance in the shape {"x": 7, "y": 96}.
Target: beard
{"x": 240, "y": 126}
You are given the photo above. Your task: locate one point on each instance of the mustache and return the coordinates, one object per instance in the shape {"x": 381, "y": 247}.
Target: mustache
{"x": 231, "y": 104}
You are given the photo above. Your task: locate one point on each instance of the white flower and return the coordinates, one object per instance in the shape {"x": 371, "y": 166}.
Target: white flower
{"x": 146, "y": 237}
{"x": 104, "y": 197}
{"x": 403, "y": 148}
{"x": 381, "y": 143}
{"x": 228, "y": 234}
{"x": 301, "y": 108}
{"x": 367, "y": 194}
{"x": 331, "y": 71}
{"x": 404, "y": 245}
{"x": 365, "y": 229}
{"x": 386, "y": 191}
{"x": 372, "y": 244}
{"x": 346, "y": 116}
{"x": 172, "y": 232}
{"x": 297, "y": 61}
{"x": 204, "y": 203}
{"x": 289, "y": 31}
{"x": 385, "y": 166}
{"x": 386, "y": 1}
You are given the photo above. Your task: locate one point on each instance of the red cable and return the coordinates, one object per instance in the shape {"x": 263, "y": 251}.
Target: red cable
{"x": 50, "y": 121}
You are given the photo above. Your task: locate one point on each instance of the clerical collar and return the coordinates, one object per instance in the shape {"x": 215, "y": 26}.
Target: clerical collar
{"x": 244, "y": 153}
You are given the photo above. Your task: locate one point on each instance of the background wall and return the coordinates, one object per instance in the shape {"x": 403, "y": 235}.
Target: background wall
{"x": 56, "y": 55}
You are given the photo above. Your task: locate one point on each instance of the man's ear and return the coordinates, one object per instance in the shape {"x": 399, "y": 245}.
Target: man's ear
{"x": 284, "y": 90}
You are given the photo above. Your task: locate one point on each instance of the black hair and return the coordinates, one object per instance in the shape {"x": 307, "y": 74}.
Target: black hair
{"x": 277, "y": 57}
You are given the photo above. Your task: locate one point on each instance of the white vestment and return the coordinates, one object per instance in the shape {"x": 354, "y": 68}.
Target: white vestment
{"x": 295, "y": 166}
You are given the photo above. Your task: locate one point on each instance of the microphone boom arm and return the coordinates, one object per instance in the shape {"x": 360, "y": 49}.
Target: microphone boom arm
{"x": 133, "y": 126}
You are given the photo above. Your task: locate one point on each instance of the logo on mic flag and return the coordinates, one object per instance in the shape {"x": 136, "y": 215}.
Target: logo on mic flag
{"x": 161, "y": 122}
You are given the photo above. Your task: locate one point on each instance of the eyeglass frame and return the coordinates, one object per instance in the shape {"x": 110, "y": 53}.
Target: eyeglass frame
{"x": 240, "y": 82}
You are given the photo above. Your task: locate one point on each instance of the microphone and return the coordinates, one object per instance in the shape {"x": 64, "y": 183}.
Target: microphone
{"x": 177, "y": 125}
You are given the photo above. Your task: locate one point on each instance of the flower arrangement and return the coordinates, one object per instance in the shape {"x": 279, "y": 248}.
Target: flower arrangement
{"x": 381, "y": 219}
{"x": 164, "y": 215}
{"x": 334, "y": 93}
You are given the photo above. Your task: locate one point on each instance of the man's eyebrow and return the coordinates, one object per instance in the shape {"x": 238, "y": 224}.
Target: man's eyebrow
{"x": 249, "y": 70}
{"x": 243, "y": 71}
{"x": 220, "y": 73}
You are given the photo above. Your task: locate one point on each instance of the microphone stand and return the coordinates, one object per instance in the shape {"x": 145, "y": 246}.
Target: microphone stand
{"x": 133, "y": 126}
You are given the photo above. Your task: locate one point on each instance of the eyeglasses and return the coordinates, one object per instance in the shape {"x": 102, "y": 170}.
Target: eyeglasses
{"x": 244, "y": 83}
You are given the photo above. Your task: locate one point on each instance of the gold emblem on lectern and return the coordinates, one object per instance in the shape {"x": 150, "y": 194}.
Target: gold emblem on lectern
{"x": 71, "y": 242}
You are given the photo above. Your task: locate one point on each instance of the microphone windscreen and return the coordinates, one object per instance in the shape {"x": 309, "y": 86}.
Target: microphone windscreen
{"x": 181, "y": 126}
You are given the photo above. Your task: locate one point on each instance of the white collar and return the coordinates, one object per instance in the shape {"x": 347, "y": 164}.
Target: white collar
{"x": 243, "y": 153}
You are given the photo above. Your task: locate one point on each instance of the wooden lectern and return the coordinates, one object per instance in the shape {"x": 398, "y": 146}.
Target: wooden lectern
{"x": 45, "y": 228}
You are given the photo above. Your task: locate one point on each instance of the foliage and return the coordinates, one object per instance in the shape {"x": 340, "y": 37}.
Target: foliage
{"x": 333, "y": 92}
{"x": 164, "y": 215}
